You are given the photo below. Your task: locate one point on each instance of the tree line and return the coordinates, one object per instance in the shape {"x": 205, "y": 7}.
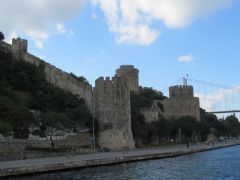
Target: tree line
{"x": 180, "y": 130}
{"x": 28, "y": 101}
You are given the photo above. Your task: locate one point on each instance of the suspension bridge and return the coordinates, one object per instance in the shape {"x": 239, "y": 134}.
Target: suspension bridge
{"x": 214, "y": 98}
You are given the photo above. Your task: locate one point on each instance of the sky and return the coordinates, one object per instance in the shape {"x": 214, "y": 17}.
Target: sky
{"x": 164, "y": 39}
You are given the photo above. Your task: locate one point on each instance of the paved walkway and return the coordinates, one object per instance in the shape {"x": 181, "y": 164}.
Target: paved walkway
{"x": 73, "y": 161}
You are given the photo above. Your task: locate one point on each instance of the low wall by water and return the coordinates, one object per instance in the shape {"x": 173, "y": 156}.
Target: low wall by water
{"x": 19, "y": 149}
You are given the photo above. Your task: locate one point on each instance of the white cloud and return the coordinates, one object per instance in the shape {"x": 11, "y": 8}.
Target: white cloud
{"x": 219, "y": 99}
{"x": 38, "y": 36}
{"x": 142, "y": 34}
{"x": 132, "y": 20}
{"x": 12, "y": 35}
{"x": 61, "y": 30}
{"x": 37, "y": 19}
{"x": 185, "y": 58}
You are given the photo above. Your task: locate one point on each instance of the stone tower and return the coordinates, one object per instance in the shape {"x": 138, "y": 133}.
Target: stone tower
{"x": 184, "y": 91}
{"x": 112, "y": 109}
{"x": 19, "y": 46}
{"x": 130, "y": 74}
{"x": 181, "y": 102}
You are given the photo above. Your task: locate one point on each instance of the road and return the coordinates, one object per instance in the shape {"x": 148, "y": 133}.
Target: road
{"x": 85, "y": 160}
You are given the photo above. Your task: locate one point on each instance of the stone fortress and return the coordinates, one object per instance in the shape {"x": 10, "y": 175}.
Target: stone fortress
{"x": 109, "y": 100}
{"x": 53, "y": 75}
{"x": 113, "y": 111}
{"x": 181, "y": 102}
{"x": 129, "y": 74}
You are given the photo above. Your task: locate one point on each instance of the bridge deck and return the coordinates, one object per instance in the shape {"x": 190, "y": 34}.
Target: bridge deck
{"x": 219, "y": 112}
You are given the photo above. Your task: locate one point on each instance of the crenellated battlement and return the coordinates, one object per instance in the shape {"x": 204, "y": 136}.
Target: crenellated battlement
{"x": 107, "y": 85}
{"x": 107, "y": 79}
{"x": 126, "y": 69}
{"x": 19, "y": 46}
{"x": 181, "y": 102}
{"x": 180, "y": 91}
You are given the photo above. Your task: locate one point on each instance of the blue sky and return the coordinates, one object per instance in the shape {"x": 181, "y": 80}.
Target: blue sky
{"x": 165, "y": 40}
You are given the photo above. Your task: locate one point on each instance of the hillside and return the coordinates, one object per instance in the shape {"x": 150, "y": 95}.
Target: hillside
{"x": 26, "y": 99}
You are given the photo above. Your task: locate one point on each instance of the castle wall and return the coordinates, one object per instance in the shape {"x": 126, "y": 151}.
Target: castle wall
{"x": 111, "y": 104}
{"x": 181, "y": 91}
{"x": 130, "y": 74}
{"x": 5, "y": 47}
{"x": 53, "y": 75}
{"x": 151, "y": 114}
{"x": 112, "y": 109}
{"x": 181, "y": 103}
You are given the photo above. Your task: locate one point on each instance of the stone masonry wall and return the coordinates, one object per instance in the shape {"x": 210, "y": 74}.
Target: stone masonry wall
{"x": 53, "y": 75}
{"x": 181, "y": 103}
{"x": 151, "y": 114}
{"x": 181, "y": 91}
{"x": 130, "y": 74}
{"x": 5, "y": 47}
{"x": 112, "y": 108}
{"x": 16, "y": 149}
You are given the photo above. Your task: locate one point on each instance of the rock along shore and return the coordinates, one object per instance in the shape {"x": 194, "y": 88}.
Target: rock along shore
{"x": 31, "y": 166}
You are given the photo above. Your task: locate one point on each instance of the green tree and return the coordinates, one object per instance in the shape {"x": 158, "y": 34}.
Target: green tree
{"x": 80, "y": 78}
{"x": 53, "y": 121}
{"x": 232, "y": 126}
{"x": 1, "y": 36}
{"x": 204, "y": 130}
{"x": 20, "y": 120}
{"x": 5, "y": 129}
{"x": 215, "y": 124}
{"x": 148, "y": 95}
{"x": 165, "y": 128}
{"x": 141, "y": 130}
{"x": 23, "y": 88}
{"x": 188, "y": 125}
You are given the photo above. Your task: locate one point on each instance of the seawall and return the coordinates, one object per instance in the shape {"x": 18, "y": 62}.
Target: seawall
{"x": 23, "y": 167}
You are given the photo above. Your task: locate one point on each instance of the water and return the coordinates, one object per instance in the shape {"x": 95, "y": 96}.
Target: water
{"x": 218, "y": 164}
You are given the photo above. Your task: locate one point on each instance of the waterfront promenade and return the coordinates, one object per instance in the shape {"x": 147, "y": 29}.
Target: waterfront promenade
{"x": 10, "y": 168}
